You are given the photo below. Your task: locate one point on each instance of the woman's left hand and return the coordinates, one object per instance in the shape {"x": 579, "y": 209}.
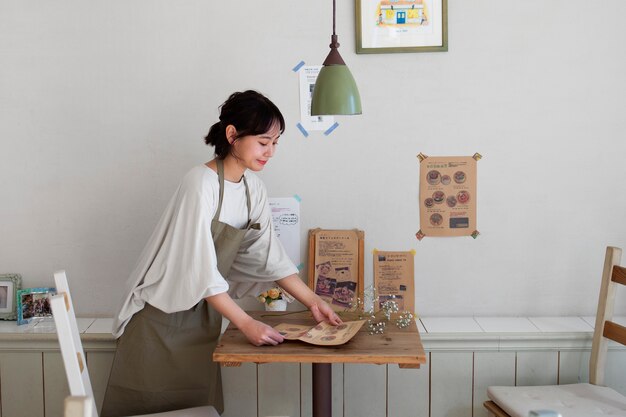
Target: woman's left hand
{"x": 323, "y": 312}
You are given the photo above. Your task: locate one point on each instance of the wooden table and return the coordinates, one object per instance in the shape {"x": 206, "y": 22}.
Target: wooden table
{"x": 401, "y": 346}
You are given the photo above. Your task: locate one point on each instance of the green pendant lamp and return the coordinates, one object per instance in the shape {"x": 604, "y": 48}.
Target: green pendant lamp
{"x": 335, "y": 91}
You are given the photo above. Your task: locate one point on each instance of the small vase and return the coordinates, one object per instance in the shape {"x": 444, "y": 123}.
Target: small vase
{"x": 276, "y": 305}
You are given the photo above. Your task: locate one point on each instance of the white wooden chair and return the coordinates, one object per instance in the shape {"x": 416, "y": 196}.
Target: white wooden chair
{"x": 74, "y": 358}
{"x": 576, "y": 400}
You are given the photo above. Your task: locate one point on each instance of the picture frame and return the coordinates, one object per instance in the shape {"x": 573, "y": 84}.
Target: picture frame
{"x": 33, "y": 303}
{"x": 335, "y": 266}
{"x": 393, "y": 26}
{"x": 9, "y": 285}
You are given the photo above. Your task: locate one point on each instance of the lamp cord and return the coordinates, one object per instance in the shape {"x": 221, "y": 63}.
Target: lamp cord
{"x": 333, "y": 57}
{"x": 334, "y": 7}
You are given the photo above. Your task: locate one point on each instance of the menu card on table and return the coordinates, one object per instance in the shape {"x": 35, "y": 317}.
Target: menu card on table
{"x": 322, "y": 334}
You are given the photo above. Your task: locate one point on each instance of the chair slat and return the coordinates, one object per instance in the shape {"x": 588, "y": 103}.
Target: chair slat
{"x": 78, "y": 407}
{"x": 619, "y": 275}
{"x": 494, "y": 409}
{"x": 81, "y": 365}
{"x": 615, "y": 332}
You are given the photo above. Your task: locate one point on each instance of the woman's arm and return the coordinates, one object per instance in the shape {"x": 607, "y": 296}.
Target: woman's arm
{"x": 257, "y": 333}
{"x": 319, "y": 308}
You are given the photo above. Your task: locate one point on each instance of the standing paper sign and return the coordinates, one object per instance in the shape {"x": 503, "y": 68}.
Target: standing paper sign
{"x": 394, "y": 279}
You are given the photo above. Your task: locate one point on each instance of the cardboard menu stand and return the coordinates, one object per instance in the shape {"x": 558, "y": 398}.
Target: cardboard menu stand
{"x": 394, "y": 279}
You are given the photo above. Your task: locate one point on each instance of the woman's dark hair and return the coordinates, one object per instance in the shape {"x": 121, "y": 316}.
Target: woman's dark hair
{"x": 250, "y": 112}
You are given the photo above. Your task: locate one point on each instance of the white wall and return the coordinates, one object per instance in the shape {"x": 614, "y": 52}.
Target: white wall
{"x": 104, "y": 104}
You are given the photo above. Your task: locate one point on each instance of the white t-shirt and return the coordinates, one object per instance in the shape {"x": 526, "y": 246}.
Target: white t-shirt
{"x": 178, "y": 266}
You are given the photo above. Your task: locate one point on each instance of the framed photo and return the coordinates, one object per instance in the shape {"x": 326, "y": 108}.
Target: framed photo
{"x": 388, "y": 26}
{"x": 33, "y": 303}
{"x": 336, "y": 266}
{"x": 9, "y": 285}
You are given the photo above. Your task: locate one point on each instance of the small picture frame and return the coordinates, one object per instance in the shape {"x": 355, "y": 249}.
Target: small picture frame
{"x": 33, "y": 303}
{"x": 336, "y": 266}
{"x": 392, "y": 26}
{"x": 9, "y": 285}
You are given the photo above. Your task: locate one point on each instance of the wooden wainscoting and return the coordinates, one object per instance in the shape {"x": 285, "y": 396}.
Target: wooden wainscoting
{"x": 466, "y": 355}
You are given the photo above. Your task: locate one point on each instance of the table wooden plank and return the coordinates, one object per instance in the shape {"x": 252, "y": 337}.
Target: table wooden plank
{"x": 396, "y": 346}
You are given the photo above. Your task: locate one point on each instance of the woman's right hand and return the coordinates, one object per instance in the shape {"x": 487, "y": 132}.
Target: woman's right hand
{"x": 257, "y": 333}
{"x": 260, "y": 333}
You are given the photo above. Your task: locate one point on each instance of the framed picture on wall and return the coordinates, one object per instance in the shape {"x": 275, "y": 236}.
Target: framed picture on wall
{"x": 336, "y": 266}
{"x": 390, "y": 26}
{"x": 9, "y": 285}
{"x": 33, "y": 303}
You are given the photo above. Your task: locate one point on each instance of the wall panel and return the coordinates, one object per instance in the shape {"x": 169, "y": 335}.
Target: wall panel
{"x": 491, "y": 368}
{"x": 21, "y": 382}
{"x": 451, "y": 384}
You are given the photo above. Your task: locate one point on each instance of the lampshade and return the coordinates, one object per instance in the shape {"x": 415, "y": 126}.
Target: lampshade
{"x": 335, "y": 90}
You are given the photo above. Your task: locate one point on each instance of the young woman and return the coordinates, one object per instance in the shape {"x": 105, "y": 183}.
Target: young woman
{"x": 214, "y": 242}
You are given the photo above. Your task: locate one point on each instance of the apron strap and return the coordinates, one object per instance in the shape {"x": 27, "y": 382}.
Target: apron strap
{"x": 255, "y": 225}
{"x": 220, "y": 175}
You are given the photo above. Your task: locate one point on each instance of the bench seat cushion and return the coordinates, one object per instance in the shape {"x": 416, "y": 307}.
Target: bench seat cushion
{"x": 206, "y": 411}
{"x": 573, "y": 400}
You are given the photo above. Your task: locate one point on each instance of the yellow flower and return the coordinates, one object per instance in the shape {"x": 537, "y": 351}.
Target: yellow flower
{"x": 274, "y": 293}
{"x": 261, "y": 299}
{"x": 263, "y": 294}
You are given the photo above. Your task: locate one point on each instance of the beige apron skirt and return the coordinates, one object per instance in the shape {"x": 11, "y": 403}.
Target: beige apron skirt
{"x": 163, "y": 361}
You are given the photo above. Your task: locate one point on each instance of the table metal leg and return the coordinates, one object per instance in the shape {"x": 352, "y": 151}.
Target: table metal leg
{"x": 322, "y": 390}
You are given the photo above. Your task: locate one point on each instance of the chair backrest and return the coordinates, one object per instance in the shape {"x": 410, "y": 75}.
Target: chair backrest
{"x": 69, "y": 341}
{"x": 605, "y": 329}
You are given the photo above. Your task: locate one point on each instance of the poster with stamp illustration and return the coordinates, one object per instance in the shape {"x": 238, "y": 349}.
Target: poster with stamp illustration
{"x": 447, "y": 195}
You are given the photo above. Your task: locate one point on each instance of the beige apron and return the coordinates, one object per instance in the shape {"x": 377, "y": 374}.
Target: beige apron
{"x": 164, "y": 361}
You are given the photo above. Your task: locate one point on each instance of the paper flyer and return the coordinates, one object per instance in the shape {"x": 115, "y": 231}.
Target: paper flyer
{"x": 286, "y": 222}
{"x": 308, "y": 76}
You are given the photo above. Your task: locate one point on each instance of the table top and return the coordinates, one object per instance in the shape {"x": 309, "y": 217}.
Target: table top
{"x": 401, "y": 346}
